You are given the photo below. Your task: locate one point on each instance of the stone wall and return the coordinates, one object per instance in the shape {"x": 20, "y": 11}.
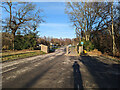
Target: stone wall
{"x": 44, "y": 48}
{"x": 80, "y": 49}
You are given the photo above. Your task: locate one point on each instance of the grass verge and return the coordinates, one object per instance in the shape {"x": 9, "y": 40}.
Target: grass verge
{"x": 20, "y": 55}
{"x": 112, "y": 58}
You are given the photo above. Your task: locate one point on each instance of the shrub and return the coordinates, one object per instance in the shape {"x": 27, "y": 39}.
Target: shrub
{"x": 25, "y": 42}
{"x": 79, "y": 44}
{"x": 88, "y": 45}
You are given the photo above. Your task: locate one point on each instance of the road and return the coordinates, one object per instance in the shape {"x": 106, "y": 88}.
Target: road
{"x": 56, "y": 70}
{"x": 73, "y": 52}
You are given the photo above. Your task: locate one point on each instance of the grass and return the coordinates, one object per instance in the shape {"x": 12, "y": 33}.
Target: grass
{"x": 112, "y": 58}
{"x": 20, "y": 54}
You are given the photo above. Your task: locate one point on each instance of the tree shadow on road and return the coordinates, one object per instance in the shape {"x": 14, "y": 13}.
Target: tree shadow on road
{"x": 105, "y": 75}
{"x": 77, "y": 76}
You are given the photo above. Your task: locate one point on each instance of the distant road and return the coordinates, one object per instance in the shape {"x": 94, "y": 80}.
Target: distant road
{"x": 55, "y": 70}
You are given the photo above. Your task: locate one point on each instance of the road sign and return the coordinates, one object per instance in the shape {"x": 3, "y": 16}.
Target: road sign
{"x": 82, "y": 43}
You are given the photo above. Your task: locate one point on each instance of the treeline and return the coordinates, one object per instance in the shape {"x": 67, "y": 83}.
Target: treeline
{"x": 27, "y": 41}
{"x": 55, "y": 41}
{"x": 31, "y": 41}
{"x": 98, "y": 22}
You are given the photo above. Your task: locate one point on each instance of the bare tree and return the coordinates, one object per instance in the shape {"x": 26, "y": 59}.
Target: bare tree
{"x": 87, "y": 16}
{"x": 22, "y": 16}
{"x": 91, "y": 19}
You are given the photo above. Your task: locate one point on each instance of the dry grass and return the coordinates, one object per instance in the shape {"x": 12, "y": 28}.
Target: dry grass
{"x": 11, "y": 55}
{"x": 112, "y": 58}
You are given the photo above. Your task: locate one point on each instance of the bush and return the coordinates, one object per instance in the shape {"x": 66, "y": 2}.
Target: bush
{"x": 25, "y": 42}
{"x": 79, "y": 44}
{"x": 19, "y": 42}
{"x": 88, "y": 45}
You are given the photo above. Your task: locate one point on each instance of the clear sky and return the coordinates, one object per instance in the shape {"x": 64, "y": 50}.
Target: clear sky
{"x": 57, "y": 23}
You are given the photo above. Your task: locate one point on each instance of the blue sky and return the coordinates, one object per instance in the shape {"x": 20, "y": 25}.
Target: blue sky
{"x": 57, "y": 23}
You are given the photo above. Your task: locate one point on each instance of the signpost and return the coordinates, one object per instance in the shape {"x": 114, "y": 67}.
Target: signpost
{"x": 82, "y": 43}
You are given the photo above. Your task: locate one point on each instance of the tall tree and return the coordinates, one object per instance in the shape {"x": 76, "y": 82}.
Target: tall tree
{"x": 87, "y": 17}
{"x": 113, "y": 36}
{"x": 115, "y": 27}
{"x": 21, "y": 16}
{"x": 96, "y": 20}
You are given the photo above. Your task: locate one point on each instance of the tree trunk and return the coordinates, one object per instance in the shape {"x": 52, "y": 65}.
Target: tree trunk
{"x": 79, "y": 38}
{"x": 13, "y": 39}
{"x": 113, "y": 34}
{"x": 10, "y": 7}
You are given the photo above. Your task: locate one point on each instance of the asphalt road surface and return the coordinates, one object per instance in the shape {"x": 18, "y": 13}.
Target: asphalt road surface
{"x": 55, "y": 70}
